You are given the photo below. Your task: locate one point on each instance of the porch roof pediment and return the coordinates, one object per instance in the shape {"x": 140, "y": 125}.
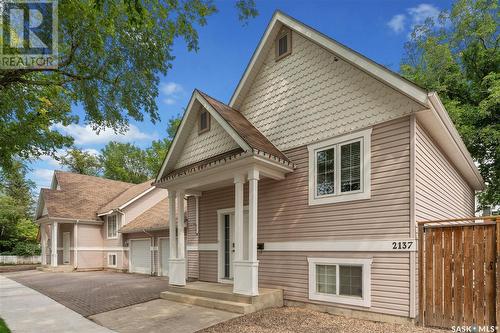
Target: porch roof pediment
{"x": 248, "y": 139}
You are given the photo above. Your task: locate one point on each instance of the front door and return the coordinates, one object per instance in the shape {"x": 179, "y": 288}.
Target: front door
{"x": 228, "y": 245}
{"x": 66, "y": 240}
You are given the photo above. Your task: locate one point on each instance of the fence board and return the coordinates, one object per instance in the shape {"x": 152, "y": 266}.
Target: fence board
{"x": 489, "y": 283}
{"x": 458, "y": 277}
{"x": 429, "y": 259}
{"x": 438, "y": 273}
{"x": 447, "y": 320}
{"x": 479, "y": 275}
{"x": 468, "y": 275}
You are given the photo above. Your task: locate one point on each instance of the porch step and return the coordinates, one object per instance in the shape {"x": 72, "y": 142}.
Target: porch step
{"x": 207, "y": 302}
{"x": 221, "y": 296}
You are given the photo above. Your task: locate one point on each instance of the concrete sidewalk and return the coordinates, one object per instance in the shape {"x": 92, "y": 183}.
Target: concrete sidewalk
{"x": 26, "y": 310}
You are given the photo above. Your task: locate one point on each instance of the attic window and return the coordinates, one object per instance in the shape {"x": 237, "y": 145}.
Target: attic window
{"x": 283, "y": 43}
{"x": 204, "y": 122}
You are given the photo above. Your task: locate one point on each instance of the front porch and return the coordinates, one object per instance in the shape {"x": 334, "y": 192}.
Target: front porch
{"x": 237, "y": 264}
{"x": 59, "y": 253}
{"x": 221, "y": 296}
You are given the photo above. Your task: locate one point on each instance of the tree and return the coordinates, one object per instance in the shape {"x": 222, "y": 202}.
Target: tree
{"x": 159, "y": 149}
{"x": 125, "y": 162}
{"x": 15, "y": 185}
{"x": 110, "y": 55}
{"x": 81, "y": 162}
{"x": 458, "y": 56}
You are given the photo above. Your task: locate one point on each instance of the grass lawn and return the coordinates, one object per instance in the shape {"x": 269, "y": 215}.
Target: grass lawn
{"x": 3, "y": 327}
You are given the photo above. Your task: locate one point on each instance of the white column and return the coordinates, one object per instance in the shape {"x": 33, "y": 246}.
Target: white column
{"x": 239, "y": 180}
{"x": 172, "y": 224}
{"x": 43, "y": 236}
{"x": 246, "y": 272}
{"x": 53, "y": 260}
{"x": 176, "y": 262}
{"x": 253, "y": 180}
{"x": 180, "y": 225}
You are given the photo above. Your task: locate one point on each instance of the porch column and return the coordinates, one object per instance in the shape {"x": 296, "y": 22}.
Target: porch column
{"x": 177, "y": 263}
{"x": 172, "y": 225}
{"x": 246, "y": 271}
{"x": 43, "y": 236}
{"x": 53, "y": 259}
{"x": 239, "y": 180}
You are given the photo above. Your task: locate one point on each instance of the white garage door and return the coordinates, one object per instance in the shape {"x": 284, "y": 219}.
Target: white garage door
{"x": 164, "y": 254}
{"x": 140, "y": 256}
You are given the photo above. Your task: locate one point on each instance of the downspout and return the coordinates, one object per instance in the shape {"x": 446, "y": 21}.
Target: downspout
{"x": 75, "y": 245}
{"x": 151, "y": 255}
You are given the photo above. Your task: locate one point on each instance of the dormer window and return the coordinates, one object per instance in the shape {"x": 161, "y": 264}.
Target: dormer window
{"x": 283, "y": 43}
{"x": 204, "y": 122}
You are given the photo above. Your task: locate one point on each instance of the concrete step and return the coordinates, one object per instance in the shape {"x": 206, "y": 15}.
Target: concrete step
{"x": 212, "y": 293}
{"x": 219, "y": 304}
{"x": 57, "y": 269}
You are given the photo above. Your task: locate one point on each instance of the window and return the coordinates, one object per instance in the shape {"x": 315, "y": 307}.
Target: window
{"x": 283, "y": 43}
{"x": 339, "y": 169}
{"x": 112, "y": 227}
{"x": 338, "y": 280}
{"x": 111, "y": 259}
{"x": 204, "y": 121}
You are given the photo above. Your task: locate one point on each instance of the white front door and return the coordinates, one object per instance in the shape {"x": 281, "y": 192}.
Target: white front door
{"x": 66, "y": 241}
{"x": 164, "y": 254}
{"x": 140, "y": 256}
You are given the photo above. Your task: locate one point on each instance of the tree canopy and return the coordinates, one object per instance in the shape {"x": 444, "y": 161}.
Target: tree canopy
{"x": 111, "y": 55}
{"x": 458, "y": 56}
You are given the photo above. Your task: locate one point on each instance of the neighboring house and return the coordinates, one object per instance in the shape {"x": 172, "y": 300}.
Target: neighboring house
{"x": 312, "y": 178}
{"x": 97, "y": 223}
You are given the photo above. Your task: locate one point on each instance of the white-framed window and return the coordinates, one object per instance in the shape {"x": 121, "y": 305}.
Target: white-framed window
{"x": 339, "y": 168}
{"x": 112, "y": 226}
{"x": 112, "y": 260}
{"x": 283, "y": 42}
{"x": 340, "y": 280}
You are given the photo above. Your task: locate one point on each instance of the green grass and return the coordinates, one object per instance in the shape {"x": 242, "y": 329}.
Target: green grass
{"x": 3, "y": 327}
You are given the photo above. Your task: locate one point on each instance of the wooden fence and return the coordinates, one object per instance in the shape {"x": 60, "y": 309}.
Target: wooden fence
{"x": 459, "y": 272}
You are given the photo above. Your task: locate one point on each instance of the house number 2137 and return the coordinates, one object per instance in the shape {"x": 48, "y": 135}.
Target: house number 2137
{"x": 401, "y": 245}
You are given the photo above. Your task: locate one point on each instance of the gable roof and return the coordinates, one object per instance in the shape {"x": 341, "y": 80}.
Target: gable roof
{"x": 440, "y": 126}
{"x": 79, "y": 196}
{"x": 127, "y": 197}
{"x": 232, "y": 121}
{"x": 155, "y": 218}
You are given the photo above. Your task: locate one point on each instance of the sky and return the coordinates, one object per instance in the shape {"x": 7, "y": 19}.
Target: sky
{"x": 377, "y": 29}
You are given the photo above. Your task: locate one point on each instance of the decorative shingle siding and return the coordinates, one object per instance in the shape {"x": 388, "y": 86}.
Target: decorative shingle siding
{"x": 309, "y": 96}
{"x": 440, "y": 190}
{"x": 199, "y": 147}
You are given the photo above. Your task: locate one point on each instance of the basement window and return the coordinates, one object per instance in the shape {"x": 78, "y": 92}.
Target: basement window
{"x": 340, "y": 280}
{"x": 111, "y": 259}
{"x": 283, "y": 43}
{"x": 204, "y": 122}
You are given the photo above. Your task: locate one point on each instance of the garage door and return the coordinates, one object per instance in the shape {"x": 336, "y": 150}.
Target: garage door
{"x": 140, "y": 256}
{"x": 164, "y": 254}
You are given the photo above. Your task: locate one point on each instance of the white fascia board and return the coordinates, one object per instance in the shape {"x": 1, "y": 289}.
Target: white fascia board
{"x": 136, "y": 198}
{"x": 369, "y": 66}
{"x": 441, "y": 128}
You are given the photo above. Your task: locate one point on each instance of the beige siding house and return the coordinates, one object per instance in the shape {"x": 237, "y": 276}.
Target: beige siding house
{"x": 91, "y": 223}
{"x": 312, "y": 178}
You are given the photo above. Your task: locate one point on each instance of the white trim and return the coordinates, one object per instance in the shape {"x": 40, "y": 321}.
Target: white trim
{"x": 359, "y": 245}
{"x": 369, "y": 66}
{"x": 208, "y": 246}
{"x": 192, "y": 247}
{"x": 116, "y": 259}
{"x": 364, "y": 301}
{"x": 413, "y": 225}
{"x": 364, "y": 136}
{"x": 97, "y": 248}
{"x": 129, "y": 202}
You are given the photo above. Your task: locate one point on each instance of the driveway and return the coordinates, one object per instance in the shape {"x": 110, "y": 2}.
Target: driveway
{"x": 89, "y": 293}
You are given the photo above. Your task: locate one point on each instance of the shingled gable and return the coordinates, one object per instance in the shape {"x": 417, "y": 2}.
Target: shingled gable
{"x": 248, "y": 138}
{"x": 434, "y": 116}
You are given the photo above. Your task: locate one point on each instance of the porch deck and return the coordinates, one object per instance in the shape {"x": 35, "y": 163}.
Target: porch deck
{"x": 220, "y": 296}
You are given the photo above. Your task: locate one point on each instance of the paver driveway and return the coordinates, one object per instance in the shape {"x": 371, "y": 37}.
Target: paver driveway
{"x": 89, "y": 293}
